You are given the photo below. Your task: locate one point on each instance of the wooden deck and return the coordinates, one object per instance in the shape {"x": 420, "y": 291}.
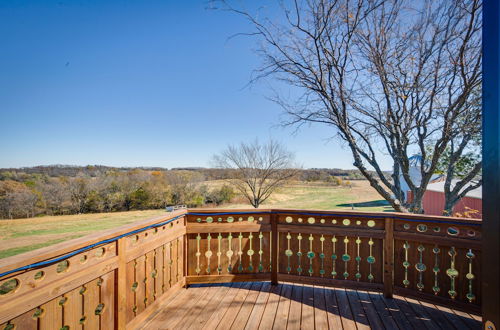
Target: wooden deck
{"x": 259, "y": 305}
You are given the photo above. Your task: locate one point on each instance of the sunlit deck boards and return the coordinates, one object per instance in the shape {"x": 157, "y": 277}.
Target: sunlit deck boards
{"x": 259, "y": 305}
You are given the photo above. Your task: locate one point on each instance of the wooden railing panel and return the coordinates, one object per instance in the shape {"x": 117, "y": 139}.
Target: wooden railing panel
{"x": 228, "y": 253}
{"x": 439, "y": 259}
{"x": 328, "y": 247}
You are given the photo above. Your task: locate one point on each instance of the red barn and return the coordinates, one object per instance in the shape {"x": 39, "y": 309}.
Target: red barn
{"x": 433, "y": 201}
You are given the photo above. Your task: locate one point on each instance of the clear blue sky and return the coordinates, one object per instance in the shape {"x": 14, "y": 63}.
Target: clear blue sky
{"x": 135, "y": 83}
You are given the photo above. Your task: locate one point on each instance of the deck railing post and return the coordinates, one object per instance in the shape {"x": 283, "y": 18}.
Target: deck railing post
{"x": 121, "y": 286}
{"x": 274, "y": 249}
{"x": 185, "y": 254}
{"x": 389, "y": 257}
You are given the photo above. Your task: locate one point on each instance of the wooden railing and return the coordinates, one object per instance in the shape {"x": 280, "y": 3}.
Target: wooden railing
{"x": 116, "y": 279}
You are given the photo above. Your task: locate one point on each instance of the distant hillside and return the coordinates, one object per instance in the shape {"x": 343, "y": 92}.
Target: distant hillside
{"x": 312, "y": 174}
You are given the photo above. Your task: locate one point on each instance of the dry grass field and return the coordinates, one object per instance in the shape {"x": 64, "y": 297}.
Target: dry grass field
{"x": 22, "y": 235}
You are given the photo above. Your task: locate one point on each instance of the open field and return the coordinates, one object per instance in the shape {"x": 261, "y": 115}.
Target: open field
{"x": 22, "y": 235}
{"x": 324, "y": 197}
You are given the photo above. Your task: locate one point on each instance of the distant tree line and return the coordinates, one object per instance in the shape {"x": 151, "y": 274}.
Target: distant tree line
{"x": 312, "y": 174}
{"x": 30, "y": 194}
{"x": 61, "y": 189}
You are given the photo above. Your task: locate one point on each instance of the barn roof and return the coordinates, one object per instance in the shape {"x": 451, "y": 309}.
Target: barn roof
{"x": 439, "y": 187}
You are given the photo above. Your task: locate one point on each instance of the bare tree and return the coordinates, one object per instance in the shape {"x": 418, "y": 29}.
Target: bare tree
{"x": 387, "y": 75}
{"x": 259, "y": 169}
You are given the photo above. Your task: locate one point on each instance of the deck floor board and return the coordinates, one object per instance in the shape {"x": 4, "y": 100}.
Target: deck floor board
{"x": 260, "y": 305}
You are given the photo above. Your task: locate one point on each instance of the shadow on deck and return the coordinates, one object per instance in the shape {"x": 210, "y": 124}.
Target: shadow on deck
{"x": 259, "y": 305}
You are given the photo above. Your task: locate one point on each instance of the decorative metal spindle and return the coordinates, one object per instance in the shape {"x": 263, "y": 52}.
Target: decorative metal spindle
{"x": 240, "y": 252}
{"x": 219, "y": 253}
{"x": 406, "y": 264}
{"x": 358, "y": 259}
{"x": 370, "y": 260}
{"x": 261, "y": 252}
{"x": 322, "y": 256}
{"x": 198, "y": 254}
{"x": 334, "y": 256}
{"x": 470, "y": 276}
{"x": 452, "y": 272}
{"x": 420, "y": 267}
{"x": 346, "y": 257}
{"x": 250, "y": 253}
{"x": 436, "y": 270}
{"x": 288, "y": 252}
{"x": 311, "y": 255}
{"x": 299, "y": 254}
{"x": 208, "y": 254}
{"x": 229, "y": 253}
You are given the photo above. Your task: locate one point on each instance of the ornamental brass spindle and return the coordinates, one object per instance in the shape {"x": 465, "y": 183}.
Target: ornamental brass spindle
{"x": 436, "y": 270}
{"x": 346, "y": 257}
{"x": 198, "y": 254}
{"x": 229, "y": 253}
{"x": 240, "y": 252}
{"x": 219, "y": 253}
{"x": 452, "y": 272}
{"x": 406, "y": 264}
{"x": 299, "y": 254}
{"x": 358, "y": 259}
{"x": 208, "y": 253}
{"x": 420, "y": 267}
{"x": 288, "y": 253}
{"x": 311, "y": 255}
{"x": 261, "y": 252}
{"x": 370, "y": 260}
{"x": 470, "y": 276}
{"x": 250, "y": 253}
{"x": 322, "y": 256}
{"x": 334, "y": 256}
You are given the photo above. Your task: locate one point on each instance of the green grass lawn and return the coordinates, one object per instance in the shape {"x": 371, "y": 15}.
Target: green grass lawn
{"x": 360, "y": 197}
{"x": 22, "y": 235}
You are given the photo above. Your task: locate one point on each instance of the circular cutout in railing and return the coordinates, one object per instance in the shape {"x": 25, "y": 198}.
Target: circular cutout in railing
{"x": 219, "y": 219}
{"x": 198, "y": 220}
{"x": 38, "y": 313}
{"x": 406, "y": 226}
{"x": 9, "y": 286}
{"x": 230, "y": 219}
{"x": 322, "y": 221}
{"x": 62, "y": 266}
{"x": 358, "y": 222}
{"x": 240, "y": 219}
{"x": 100, "y": 252}
{"x": 334, "y": 221}
{"x": 311, "y": 220}
{"x": 251, "y": 219}
{"x": 288, "y": 219}
{"x": 39, "y": 275}
{"x": 62, "y": 301}
{"x": 99, "y": 309}
{"x": 299, "y": 220}
{"x": 210, "y": 219}
{"x": 421, "y": 228}
{"x": 436, "y": 229}
{"x": 471, "y": 233}
{"x": 453, "y": 231}
{"x": 370, "y": 223}
{"x": 83, "y": 259}
{"x": 346, "y": 222}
